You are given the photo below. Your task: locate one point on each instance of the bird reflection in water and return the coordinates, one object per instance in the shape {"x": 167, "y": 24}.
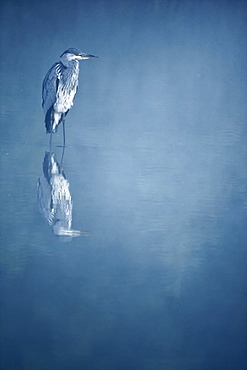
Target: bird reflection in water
{"x": 54, "y": 198}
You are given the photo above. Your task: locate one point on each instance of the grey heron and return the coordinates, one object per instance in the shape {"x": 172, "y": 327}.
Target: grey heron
{"x": 60, "y": 86}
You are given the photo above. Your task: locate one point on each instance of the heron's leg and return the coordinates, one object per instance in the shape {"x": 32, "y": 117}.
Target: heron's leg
{"x": 50, "y": 141}
{"x": 62, "y": 154}
{"x": 63, "y": 132}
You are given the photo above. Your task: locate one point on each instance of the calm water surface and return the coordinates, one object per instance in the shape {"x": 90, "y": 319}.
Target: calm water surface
{"x": 154, "y": 171}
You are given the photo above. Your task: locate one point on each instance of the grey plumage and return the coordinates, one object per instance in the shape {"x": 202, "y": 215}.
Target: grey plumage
{"x": 60, "y": 86}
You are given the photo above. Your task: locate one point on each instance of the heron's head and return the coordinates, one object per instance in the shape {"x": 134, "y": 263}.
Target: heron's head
{"x": 75, "y": 54}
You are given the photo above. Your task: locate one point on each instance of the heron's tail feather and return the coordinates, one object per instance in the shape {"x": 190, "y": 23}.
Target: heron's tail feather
{"x": 49, "y": 120}
{"x": 53, "y": 119}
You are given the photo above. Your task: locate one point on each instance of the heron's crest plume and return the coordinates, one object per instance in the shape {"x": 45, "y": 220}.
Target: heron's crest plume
{"x": 72, "y": 51}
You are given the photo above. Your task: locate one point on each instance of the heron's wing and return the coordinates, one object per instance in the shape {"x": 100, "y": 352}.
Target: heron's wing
{"x": 50, "y": 85}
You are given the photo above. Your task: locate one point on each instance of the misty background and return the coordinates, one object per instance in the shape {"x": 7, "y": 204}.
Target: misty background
{"x": 155, "y": 162}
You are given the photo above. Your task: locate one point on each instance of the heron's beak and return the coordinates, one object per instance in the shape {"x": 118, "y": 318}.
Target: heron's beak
{"x": 87, "y": 56}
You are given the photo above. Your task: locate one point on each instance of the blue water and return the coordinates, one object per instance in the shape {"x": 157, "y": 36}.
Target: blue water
{"x": 154, "y": 171}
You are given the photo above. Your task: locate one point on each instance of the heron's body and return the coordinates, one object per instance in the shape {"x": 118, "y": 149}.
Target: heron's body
{"x": 60, "y": 86}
